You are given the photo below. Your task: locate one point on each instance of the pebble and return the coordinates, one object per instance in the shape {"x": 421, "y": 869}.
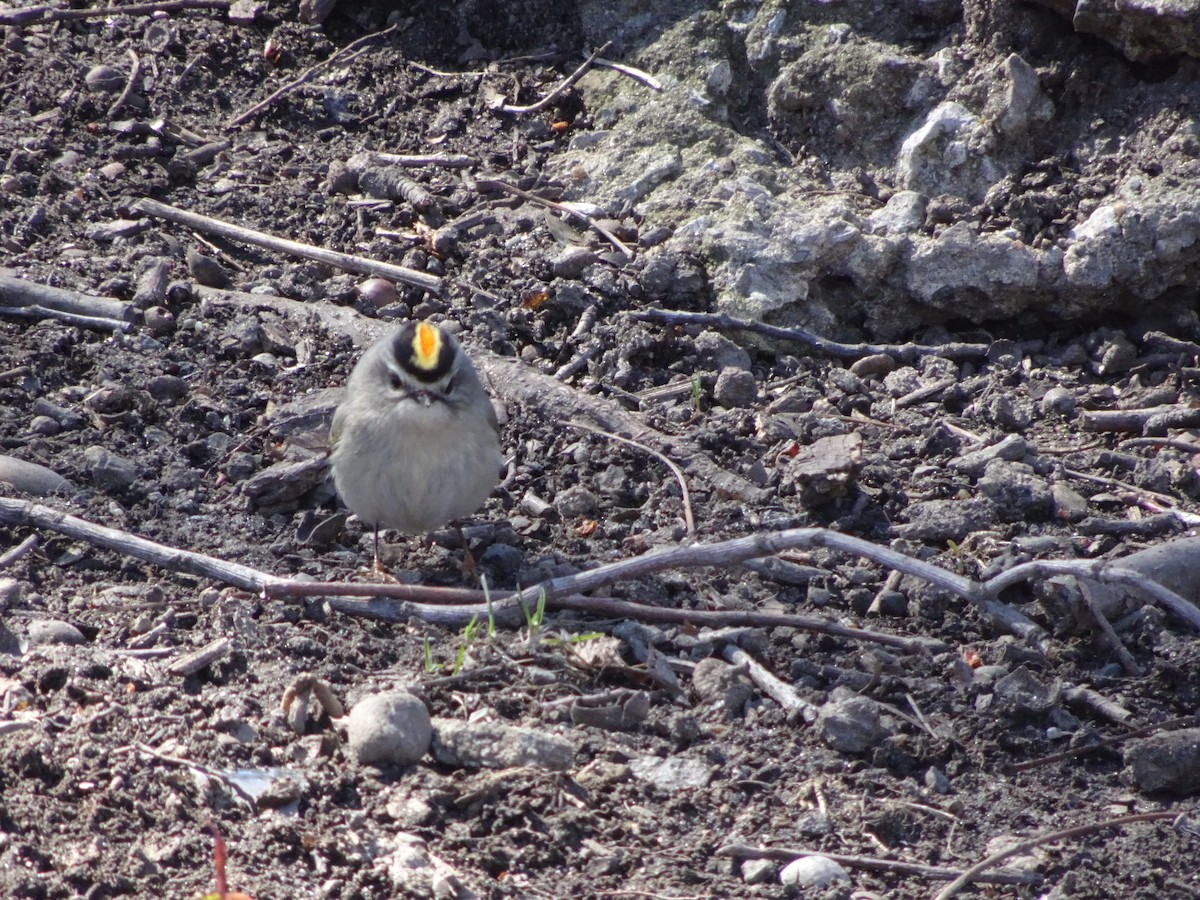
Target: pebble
{"x": 571, "y": 262}
{"x": 1059, "y": 401}
{"x": 1023, "y": 692}
{"x": 815, "y": 872}
{"x": 1017, "y": 492}
{"x": 503, "y": 559}
{"x": 674, "y": 773}
{"x": 758, "y": 871}
{"x": 378, "y": 292}
{"x": 718, "y": 352}
{"x": 105, "y": 79}
{"x": 850, "y": 723}
{"x": 735, "y": 388}
{"x": 393, "y": 728}
{"x": 938, "y": 521}
{"x": 44, "y": 425}
{"x": 159, "y": 320}
{"x": 206, "y": 270}
{"x": 1167, "y": 763}
{"x": 1069, "y": 504}
{"x": 473, "y": 745}
{"x": 54, "y": 631}
{"x": 576, "y": 502}
{"x": 876, "y": 365}
{"x": 109, "y": 471}
{"x": 30, "y": 478}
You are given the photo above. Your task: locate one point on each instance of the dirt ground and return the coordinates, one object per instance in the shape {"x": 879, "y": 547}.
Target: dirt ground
{"x": 114, "y": 767}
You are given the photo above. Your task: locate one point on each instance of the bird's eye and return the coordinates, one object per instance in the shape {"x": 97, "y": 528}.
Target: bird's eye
{"x": 394, "y": 380}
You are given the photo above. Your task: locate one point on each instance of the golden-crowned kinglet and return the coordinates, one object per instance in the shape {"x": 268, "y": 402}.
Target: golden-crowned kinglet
{"x": 415, "y": 443}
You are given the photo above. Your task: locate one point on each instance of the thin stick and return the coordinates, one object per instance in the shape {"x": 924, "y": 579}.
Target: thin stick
{"x": 308, "y": 73}
{"x": 11, "y": 556}
{"x": 345, "y": 261}
{"x": 19, "y": 512}
{"x": 134, "y": 71}
{"x": 1179, "y": 722}
{"x": 871, "y": 863}
{"x": 721, "y": 321}
{"x": 562, "y": 88}
{"x": 36, "y": 311}
{"x": 779, "y": 691}
{"x": 637, "y": 75}
{"x": 995, "y": 859}
{"x": 20, "y": 292}
{"x": 37, "y": 14}
{"x": 497, "y": 184}
{"x": 688, "y": 518}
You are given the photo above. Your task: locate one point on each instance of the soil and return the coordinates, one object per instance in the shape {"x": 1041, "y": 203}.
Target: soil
{"x": 114, "y": 769}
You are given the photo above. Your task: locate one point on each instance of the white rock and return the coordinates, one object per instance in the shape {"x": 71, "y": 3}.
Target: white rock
{"x": 389, "y": 728}
{"x": 817, "y": 872}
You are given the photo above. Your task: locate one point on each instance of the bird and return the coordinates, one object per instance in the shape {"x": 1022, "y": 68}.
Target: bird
{"x": 415, "y": 444}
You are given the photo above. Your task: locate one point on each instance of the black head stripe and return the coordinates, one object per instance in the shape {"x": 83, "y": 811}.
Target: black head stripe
{"x": 404, "y": 349}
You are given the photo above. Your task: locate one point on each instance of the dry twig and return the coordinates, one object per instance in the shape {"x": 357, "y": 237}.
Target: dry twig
{"x": 495, "y": 184}
{"x": 134, "y": 71}
{"x": 36, "y": 15}
{"x": 346, "y": 261}
{"x": 561, "y": 89}
{"x": 871, "y": 863}
{"x": 973, "y": 873}
{"x": 688, "y": 518}
{"x": 309, "y": 73}
{"x": 720, "y": 321}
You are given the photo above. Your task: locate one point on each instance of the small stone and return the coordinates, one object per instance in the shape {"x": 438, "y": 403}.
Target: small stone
{"x": 391, "y": 728}
{"x": 109, "y": 471}
{"x": 675, "y": 773}
{"x": 936, "y": 780}
{"x": 721, "y": 687}
{"x": 206, "y": 270}
{"x": 503, "y": 559}
{"x": 850, "y": 723}
{"x": 576, "y": 502}
{"x": 571, "y": 262}
{"x": 758, "y": 871}
{"x": 105, "y": 79}
{"x": 718, "y": 352}
{"x": 876, "y": 365}
{"x": 159, "y": 320}
{"x": 735, "y": 388}
{"x": 54, "y": 631}
{"x": 489, "y": 745}
{"x": 30, "y": 478}
{"x": 378, "y": 292}
{"x": 1166, "y": 763}
{"x": 815, "y": 872}
{"x": 1069, "y": 504}
{"x": 1059, "y": 401}
{"x": 44, "y": 425}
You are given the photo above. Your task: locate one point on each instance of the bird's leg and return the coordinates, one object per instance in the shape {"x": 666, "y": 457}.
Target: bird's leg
{"x": 468, "y": 561}
{"x": 379, "y": 570}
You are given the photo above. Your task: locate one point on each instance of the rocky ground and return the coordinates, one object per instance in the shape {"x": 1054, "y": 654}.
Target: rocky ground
{"x": 916, "y": 731}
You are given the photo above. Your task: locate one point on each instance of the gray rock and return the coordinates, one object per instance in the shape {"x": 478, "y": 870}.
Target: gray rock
{"x": 674, "y": 773}
{"x": 946, "y": 154}
{"x": 473, "y": 745}
{"x": 502, "y": 558}
{"x": 1058, "y": 400}
{"x": 1167, "y": 763}
{"x": 105, "y": 79}
{"x": 904, "y": 213}
{"x": 717, "y": 352}
{"x": 571, "y": 261}
{"x": 109, "y": 471}
{"x": 44, "y": 425}
{"x": 53, "y": 631}
{"x": 735, "y": 388}
{"x": 938, "y": 521}
{"x": 1012, "y": 447}
{"x": 850, "y": 723}
{"x": 936, "y": 780}
{"x": 1069, "y": 504}
{"x": 391, "y": 728}
{"x": 814, "y": 872}
{"x": 1016, "y": 491}
{"x": 576, "y": 502}
{"x": 1143, "y": 32}
{"x": 30, "y": 478}
{"x": 1023, "y": 692}
{"x": 759, "y": 871}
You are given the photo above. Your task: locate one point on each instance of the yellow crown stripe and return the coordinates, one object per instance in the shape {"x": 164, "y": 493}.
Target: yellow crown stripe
{"x": 427, "y": 346}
